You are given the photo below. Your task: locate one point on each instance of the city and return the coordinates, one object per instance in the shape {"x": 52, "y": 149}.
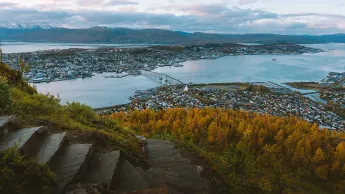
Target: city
{"x": 57, "y": 65}
{"x": 253, "y": 97}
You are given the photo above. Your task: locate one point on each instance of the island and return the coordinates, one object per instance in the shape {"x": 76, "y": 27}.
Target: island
{"x": 57, "y": 65}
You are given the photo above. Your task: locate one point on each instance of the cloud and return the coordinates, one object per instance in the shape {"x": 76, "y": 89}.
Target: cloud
{"x": 315, "y": 15}
{"x": 192, "y": 18}
{"x": 104, "y": 3}
{"x": 120, "y": 2}
{"x": 246, "y": 2}
{"x": 7, "y": 5}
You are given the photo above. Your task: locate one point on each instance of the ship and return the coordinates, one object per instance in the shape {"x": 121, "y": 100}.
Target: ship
{"x": 40, "y": 80}
{"x": 119, "y": 75}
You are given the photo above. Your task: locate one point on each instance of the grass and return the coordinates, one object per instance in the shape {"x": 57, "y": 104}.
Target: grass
{"x": 306, "y": 85}
{"x": 33, "y": 109}
{"x": 18, "y": 175}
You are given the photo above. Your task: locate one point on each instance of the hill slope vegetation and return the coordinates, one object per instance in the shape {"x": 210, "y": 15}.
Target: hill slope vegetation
{"x": 253, "y": 153}
{"x": 19, "y": 175}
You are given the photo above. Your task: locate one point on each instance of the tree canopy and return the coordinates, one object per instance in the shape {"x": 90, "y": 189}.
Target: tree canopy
{"x": 253, "y": 152}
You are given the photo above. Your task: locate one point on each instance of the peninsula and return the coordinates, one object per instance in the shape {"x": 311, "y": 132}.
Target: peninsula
{"x": 57, "y": 65}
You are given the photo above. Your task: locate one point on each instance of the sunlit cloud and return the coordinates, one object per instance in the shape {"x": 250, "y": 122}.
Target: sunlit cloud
{"x": 219, "y": 16}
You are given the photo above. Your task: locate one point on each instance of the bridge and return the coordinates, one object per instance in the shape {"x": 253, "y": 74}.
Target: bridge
{"x": 308, "y": 93}
{"x": 161, "y": 78}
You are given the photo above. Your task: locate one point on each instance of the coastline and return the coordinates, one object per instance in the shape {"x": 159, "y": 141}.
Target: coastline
{"x": 75, "y": 63}
{"x": 172, "y": 65}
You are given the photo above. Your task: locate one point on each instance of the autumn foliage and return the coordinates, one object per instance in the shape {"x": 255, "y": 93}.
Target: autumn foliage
{"x": 253, "y": 152}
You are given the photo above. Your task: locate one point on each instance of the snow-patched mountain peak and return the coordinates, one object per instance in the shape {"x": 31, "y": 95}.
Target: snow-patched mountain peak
{"x": 26, "y": 26}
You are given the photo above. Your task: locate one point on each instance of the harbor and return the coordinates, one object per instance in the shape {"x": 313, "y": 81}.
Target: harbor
{"x": 56, "y": 65}
{"x": 247, "y": 68}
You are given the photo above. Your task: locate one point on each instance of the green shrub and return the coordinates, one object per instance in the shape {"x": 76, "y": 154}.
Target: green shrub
{"x": 14, "y": 79}
{"x": 35, "y": 106}
{"x": 5, "y": 97}
{"x": 22, "y": 176}
{"x": 81, "y": 113}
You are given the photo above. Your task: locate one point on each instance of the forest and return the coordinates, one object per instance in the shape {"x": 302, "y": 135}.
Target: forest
{"x": 252, "y": 153}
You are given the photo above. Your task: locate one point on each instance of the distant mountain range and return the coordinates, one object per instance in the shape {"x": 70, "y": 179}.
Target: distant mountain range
{"x": 26, "y": 26}
{"x": 47, "y": 33}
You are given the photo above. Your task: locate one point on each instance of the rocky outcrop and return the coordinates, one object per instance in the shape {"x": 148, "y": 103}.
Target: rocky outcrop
{"x": 50, "y": 145}
{"x": 70, "y": 161}
{"x": 130, "y": 179}
{"x": 102, "y": 168}
{"x": 19, "y": 138}
{"x": 168, "y": 167}
{"x": 4, "y": 124}
{"x": 82, "y": 169}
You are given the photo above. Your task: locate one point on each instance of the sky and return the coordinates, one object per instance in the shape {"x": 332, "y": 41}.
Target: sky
{"x": 211, "y": 16}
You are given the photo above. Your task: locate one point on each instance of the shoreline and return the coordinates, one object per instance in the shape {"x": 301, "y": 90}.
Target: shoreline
{"x": 109, "y": 108}
{"x": 286, "y": 88}
{"x": 259, "y": 97}
{"x": 277, "y": 88}
{"x": 75, "y": 63}
{"x": 167, "y": 65}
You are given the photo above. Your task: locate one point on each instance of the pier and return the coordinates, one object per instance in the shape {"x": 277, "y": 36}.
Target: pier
{"x": 162, "y": 78}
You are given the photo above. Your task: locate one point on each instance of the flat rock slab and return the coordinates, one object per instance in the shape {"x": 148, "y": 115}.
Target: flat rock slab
{"x": 165, "y": 162}
{"x": 130, "y": 179}
{"x": 5, "y": 120}
{"x": 159, "y": 145}
{"x": 169, "y": 167}
{"x": 162, "y": 152}
{"x": 164, "y": 190}
{"x": 151, "y": 180}
{"x": 102, "y": 168}
{"x": 69, "y": 163}
{"x": 51, "y": 144}
{"x": 19, "y": 138}
{"x": 184, "y": 179}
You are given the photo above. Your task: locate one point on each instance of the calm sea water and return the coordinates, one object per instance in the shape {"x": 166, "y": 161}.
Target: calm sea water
{"x": 307, "y": 67}
{"x": 100, "y": 92}
{"x": 97, "y": 91}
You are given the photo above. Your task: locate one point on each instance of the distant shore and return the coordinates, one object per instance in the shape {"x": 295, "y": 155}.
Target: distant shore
{"x": 51, "y": 65}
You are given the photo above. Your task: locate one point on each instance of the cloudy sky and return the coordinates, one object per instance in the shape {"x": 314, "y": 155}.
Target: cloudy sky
{"x": 216, "y": 16}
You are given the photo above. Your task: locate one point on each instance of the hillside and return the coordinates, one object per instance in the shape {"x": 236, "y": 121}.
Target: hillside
{"x": 151, "y": 36}
{"x": 39, "y": 122}
{"x": 49, "y": 148}
{"x": 218, "y": 150}
{"x": 253, "y": 153}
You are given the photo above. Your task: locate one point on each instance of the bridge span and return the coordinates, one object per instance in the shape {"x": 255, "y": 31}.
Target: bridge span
{"x": 309, "y": 93}
{"x": 161, "y": 78}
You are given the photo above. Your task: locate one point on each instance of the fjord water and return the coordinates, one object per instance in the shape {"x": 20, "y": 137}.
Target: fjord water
{"x": 286, "y": 68}
{"x": 22, "y": 47}
{"x": 97, "y": 91}
{"x": 101, "y": 92}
